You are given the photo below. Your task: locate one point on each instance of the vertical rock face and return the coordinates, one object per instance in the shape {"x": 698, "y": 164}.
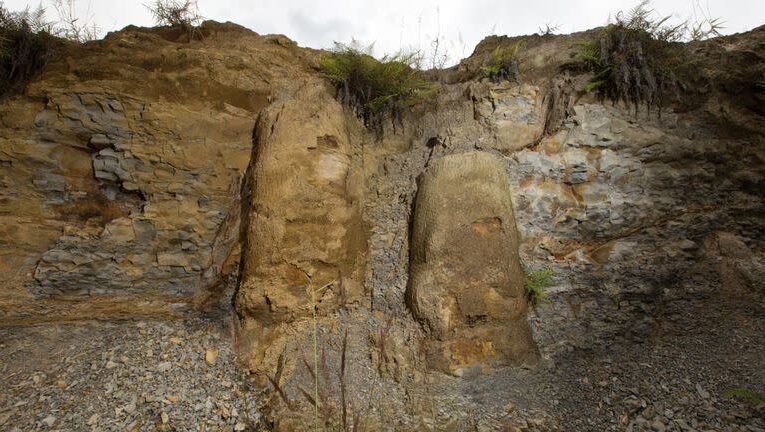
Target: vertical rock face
{"x": 304, "y": 229}
{"x": 176, "y": 229}
{"x": 467, "y": 284}
{"x": 514, "y": 114}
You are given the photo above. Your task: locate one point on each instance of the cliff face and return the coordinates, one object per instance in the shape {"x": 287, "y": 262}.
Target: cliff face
{"x": 392, "y": 264}
{"x": 122, "y": 170}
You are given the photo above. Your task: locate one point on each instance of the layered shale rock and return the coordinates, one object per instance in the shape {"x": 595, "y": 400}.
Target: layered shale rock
{"x": 122, "y": 171}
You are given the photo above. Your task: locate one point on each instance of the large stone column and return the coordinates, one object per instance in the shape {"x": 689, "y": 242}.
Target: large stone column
{"x": 303, "y": 219}
{"x": 467, "y": 284}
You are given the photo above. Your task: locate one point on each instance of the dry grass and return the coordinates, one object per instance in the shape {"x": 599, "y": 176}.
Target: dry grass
{"x": 26, "y": 46}
{"x": 71, "y": 26}
{"x": 328, "y": 396}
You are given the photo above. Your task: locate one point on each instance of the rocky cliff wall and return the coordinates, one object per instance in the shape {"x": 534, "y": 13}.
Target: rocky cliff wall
{"x": 130, "y": 189}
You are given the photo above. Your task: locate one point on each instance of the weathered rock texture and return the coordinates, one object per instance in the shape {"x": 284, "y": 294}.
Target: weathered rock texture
{"x": 467, "y": 285}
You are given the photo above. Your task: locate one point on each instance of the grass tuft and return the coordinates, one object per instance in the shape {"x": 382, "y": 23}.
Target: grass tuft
{"x": 639, "y": 59}
{"x": 503, "y": 63}
{"x": 745, "y": 394}
{"x": 537, "y": 282}
{"x": 375, "y": 89}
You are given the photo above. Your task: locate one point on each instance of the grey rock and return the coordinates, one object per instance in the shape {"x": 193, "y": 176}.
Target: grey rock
{"x": 49, "y": 420}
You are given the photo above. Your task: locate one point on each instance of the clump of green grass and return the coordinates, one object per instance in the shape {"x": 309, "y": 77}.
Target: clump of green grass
{"x": 745, "y": 394}
{"x": 537, "y": 282}
{"x": 639, "y": 59}
{"x": 26, "y": 46}
{"x": 376, "y": 89}
{"x": 761, "y": 83}
{"x": 634, "y": 60}
{"x": 503, "y": 63}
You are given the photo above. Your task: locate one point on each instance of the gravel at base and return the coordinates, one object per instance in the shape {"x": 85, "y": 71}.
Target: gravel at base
{"x": 677, "y": 381}
{"x": 126, "y": 376}
{"x": 165, "y": 376}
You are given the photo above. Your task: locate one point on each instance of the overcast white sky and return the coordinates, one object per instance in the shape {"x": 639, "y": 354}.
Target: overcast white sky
{"x": 407, "y": 24}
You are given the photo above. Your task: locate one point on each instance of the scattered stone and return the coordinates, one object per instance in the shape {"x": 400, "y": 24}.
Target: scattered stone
{"x": 211, "y": 356}
{"x": 703, "y": 393}
{"x": 130, "y": 408}
{"x": 133, "y": 390}
{"x": 658, "y": 426}
{"x": 49, "y": 421}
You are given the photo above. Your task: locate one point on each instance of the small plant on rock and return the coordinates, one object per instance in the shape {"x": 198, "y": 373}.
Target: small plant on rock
{"x": 72, "y": 27}
{"x": 503, "y": 63}
{"x": 705, "y": 29}
{"x": 26, "y": 46}
{"x": 375, "y": 89}
{"x": 182, "y": 14}
{"x": 537, "y": 282}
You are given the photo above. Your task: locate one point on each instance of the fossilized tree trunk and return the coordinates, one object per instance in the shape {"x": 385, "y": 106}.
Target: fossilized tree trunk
{"x": 304, "y": 228}
{"x": 467, "y": 284}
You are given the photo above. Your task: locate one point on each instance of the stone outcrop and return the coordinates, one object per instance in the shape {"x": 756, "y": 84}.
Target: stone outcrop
{"x": 467, "y": 285}
{"x": 514, "y": 113}
{"x": 303, "y": 229}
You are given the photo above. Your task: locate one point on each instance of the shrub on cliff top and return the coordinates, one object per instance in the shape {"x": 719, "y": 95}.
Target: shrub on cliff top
{"x": 374, "y": 88}
{"x": 175, "y": 13}
{"x": 639, "y": 59}
{"x": 26, "y": 45}
{"x": 634, "y": 60}
{"x": 181, "y": 14}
